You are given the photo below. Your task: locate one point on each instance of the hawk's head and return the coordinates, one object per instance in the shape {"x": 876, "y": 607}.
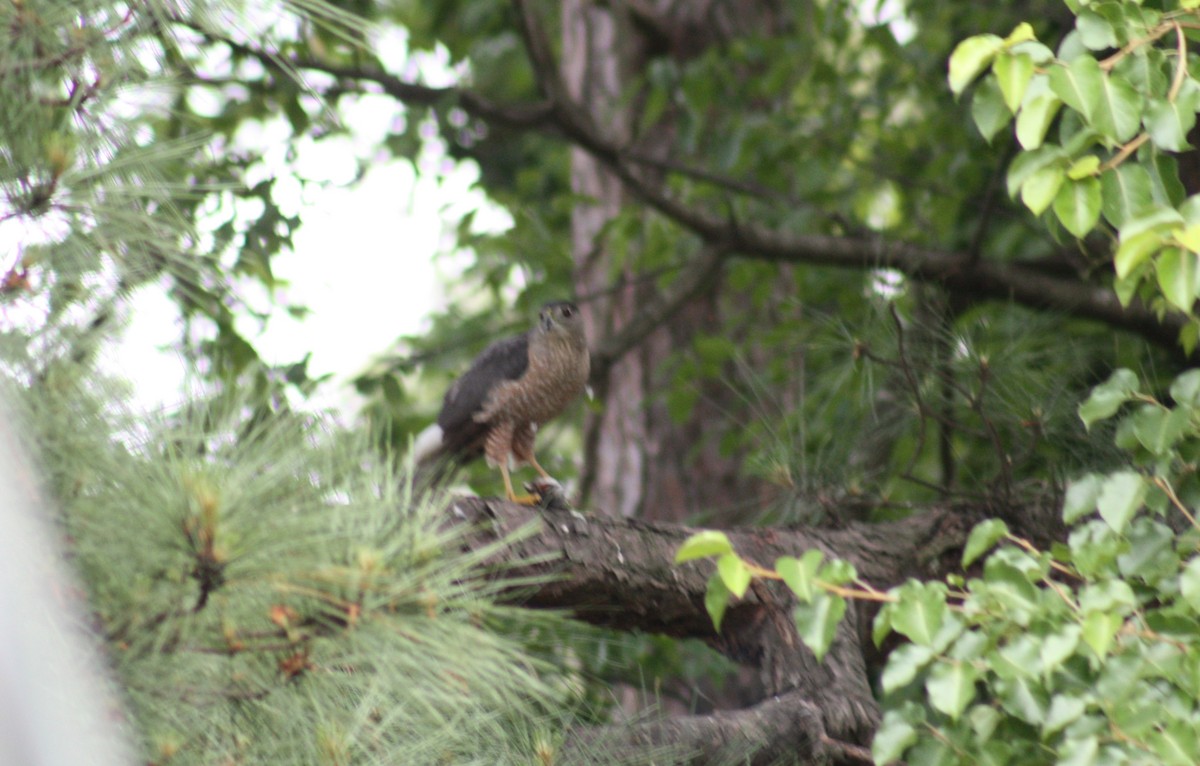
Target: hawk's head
{"x": 561, "y": 318}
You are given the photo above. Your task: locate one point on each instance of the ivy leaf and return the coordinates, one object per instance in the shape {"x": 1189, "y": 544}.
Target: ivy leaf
{"x": 1057, "y": 647}
{"x": 1098, "y": 631}
{"x": 951, "y": 687}
{"x": 1064, "y": 710}
{"x": 1095, "y": 31}
{"x": 1185, "y": 389}
{"x": 919, "y": 611}
{"x": 988, "y": 109}
{"x": 970, "y": 58}
{"x": 895, "y": 735}
{"x": 1136, "y": 250}
{"x": 1028, "y": 163}
{"x": 1034, "y": 119}
{"x": 1108, "y": 397}
{"x": 1077, "y": 205}
{"x": 1081, "y": 497}
{"x": 903, "y": 664}
{"x": 1125, "y": 192}
{"x": 1178, "y": 277}
{"x": 817, "y": 621}
{"x": 800, "y": 574}
{"x": 1168, "y": 123}
{"x": 1083, "y": 167}
{"x": 701, "y": 545}
{"x": 734, "y": 573}
{"x": 1118, "y": 112}
{"x": 1120, "y": 497}
{"x": 1159, "y": 429}
{"x": 1175, "y": 744}
{"x": 1077, "y": 84}
{"x": 1013, "y": 72}
{"x": 1042, "y": 187}
{"x": 1189, "y": 583}
{"x": 716, "y": 598}
{"x": 983, "y": 537}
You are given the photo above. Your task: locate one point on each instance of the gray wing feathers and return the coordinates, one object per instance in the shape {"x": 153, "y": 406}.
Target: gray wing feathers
{"x": 503, "y": 360}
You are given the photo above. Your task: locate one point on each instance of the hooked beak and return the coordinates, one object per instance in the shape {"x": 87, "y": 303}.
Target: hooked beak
{"x": 547, "y": 321}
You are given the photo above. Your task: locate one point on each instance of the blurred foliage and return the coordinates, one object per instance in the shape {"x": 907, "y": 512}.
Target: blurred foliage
{"x": 131, "y": 143}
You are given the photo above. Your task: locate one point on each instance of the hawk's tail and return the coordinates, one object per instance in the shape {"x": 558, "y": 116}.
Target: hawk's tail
{"x": 431, "y": 465}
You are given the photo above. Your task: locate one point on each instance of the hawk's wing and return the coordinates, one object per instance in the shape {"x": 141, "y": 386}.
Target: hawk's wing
{"x": 504, "y": 360}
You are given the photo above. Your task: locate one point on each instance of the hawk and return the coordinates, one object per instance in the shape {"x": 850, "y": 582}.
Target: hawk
{"x": 510, "y": 390}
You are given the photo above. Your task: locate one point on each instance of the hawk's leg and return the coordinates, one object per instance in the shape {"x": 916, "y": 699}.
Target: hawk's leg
{"x": 508, "y": 488}
{"x": 522, "y": 450}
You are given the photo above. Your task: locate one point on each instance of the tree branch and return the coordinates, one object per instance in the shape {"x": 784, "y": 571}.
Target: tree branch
{"x": 967, "y": 278}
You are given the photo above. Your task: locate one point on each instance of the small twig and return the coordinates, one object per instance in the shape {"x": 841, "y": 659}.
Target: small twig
{"x": 1181, "y": 68}
{"x": 1162, "y": 484}
{"x": 1123, "y": 155}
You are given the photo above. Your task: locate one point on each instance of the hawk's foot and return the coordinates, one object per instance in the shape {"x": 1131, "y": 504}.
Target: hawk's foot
{"x": 550, "y": 493}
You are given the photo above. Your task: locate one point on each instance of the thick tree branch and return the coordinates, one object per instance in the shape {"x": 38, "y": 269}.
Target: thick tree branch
{"x": 969, "y": 279}
{"x": 784, "y": 729}
{"x": 619, "y": 573}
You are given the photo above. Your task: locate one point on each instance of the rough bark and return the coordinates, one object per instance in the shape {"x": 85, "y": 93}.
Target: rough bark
{"x": 619, "y": 573}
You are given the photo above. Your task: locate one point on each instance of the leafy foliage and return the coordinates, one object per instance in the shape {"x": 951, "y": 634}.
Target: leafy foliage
{"x": 1084, "y": 653}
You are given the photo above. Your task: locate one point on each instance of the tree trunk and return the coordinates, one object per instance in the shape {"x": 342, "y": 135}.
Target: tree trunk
{"x": 638, "y": 460}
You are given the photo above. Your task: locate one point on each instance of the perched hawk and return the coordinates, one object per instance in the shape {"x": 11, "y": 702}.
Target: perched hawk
{"x": 511, "y": 389}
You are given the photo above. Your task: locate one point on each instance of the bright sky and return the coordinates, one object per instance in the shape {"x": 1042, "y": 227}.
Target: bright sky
{"x": 365, "y": 259}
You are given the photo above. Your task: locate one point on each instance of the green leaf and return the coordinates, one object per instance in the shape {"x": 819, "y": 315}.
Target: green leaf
{"x": 817, "y": 621}
{"x": 1035, "y": 118}
{"x": 1022, "y": 33}
{"x": 985, "y": 535}
{"x": 1158, "y": 429}
{"x": 1189, "y": 583}
{"x": 1081, "y": 497}
{"x": 1077, "y": 205}
{"x": 1099, "y": 628}
{"x": 895, "y": 735}
{"x": 1108, "y": 397}
{"x": 716, "y": 598}
{"x": 1109, "y": 103}
{"x": 1083, "y": 167}
{"x": 1064, "y": 710}
{"x": 800, "y": 574}
{"x": 1185, "y": 389}
{"x": 1027, "y": 163}
{"x": 1042, "y": 187}
{"x": 1077, "y": 84}
{"x": 1095, "y": 31}
{"x": 1118, "y": 113}
{"x": 951, "y": 687}
{"x": 701, "y": 545}
{"x": 734, "y": 573}
{"x": 1120, "y": 498}
{"x": 903, "y": 664}
{"x": 1168, "y": 123}
{"x": 1126, "y": 191}
{"x": 1176, "y": 744}
{"x": 1136, "y": 250}
{"x": 970, "y": 58}
{"x": 837, "y": 572}
{"x": 919, "y": 611}
{"x": 1057, "y": 647}
{"x": 1188, "y": 237}
{"x": 988, "y": 109}
{"x": 1013, "y": 72}
{"x": 1178, "y": 277}
{"x": 1160, "y": 218}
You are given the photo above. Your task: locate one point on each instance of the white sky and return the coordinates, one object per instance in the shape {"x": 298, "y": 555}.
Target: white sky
{"x": 364, "y": 258}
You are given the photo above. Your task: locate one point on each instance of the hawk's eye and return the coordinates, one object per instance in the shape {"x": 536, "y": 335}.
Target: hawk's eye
{"x": 566, "y": 311}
